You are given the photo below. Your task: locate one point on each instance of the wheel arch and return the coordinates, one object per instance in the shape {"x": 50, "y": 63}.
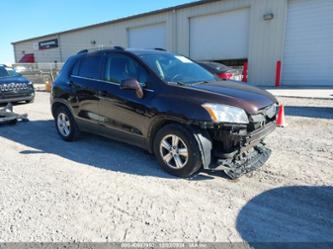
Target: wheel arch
{"x": 157, "y": 124}
{"x": 201, "y": 136}
{"x": 58, "y": 103}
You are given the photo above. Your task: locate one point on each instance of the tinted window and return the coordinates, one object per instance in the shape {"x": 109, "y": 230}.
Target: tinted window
{"x": 76, "y": 68}
{"x": 90, "y": 66}
{"x": 121, "y": 67}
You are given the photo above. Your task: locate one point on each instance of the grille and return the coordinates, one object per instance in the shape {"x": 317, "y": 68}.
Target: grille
{"x": 263, "y": 117}
{"x": 13, "y": 87}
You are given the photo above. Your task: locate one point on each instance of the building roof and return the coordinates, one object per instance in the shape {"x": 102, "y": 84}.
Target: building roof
{"x": 182, "y": 6}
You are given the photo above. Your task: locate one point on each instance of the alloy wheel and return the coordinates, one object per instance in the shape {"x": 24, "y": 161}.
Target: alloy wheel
{"x": 174, "y": 151}
{"x": 64, "y": 124}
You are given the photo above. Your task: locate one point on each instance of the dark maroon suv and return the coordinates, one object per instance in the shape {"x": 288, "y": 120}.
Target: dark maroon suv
{"x": 166, "y": 104}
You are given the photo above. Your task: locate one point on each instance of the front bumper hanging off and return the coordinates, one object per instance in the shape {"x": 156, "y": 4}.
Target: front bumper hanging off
{"x": 234, "y": 168}
{"x": 251, "y": 155}
{"x": 247, "y": 153}
{"x": 8, "y": 116}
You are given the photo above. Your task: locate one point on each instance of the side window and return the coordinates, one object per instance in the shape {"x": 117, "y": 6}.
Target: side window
{"x": 90, "y": 67}
{"x": 121, "y": 67}
{"x": 76, "y": 68}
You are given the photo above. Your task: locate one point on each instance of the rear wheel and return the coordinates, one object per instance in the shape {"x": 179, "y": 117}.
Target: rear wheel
{"x": 66, "y": 125}
{"x": 177, "y": 150}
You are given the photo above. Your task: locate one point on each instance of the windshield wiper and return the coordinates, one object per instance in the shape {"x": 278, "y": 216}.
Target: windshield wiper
{"x": 177, "y": 83}
{"x": 188, "y": 84}
{"x": 200, "y": 82}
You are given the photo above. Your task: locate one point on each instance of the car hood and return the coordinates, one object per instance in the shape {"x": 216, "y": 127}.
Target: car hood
{"x": 16, "y": 79}
{"x": 249, "y": 98}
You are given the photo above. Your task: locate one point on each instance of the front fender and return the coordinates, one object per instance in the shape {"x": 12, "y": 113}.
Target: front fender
{"x": 181, "y": 107}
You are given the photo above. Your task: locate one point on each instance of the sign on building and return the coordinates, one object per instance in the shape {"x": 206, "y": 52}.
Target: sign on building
{"x": 48, "y": 44}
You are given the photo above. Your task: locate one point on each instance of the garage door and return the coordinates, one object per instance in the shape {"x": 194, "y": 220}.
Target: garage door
{"x": 220, "y": 36}
{"x": 152, "y": 36}
{"x": 308, "y": 55}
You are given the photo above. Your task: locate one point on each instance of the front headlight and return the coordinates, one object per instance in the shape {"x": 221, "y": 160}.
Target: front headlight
{"x": 226, "y": 114}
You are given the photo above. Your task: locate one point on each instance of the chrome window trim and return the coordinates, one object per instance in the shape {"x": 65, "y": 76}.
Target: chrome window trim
{"x": 107, "y": 82}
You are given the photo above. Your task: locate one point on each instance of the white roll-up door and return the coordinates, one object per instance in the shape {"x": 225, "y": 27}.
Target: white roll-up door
{"x": 152, "y": 36}
{"x": 308, "y": 54}
{"x": 220, "y": 36}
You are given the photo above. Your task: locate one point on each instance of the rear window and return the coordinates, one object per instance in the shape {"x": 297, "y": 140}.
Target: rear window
{"x": 90, "y": 67}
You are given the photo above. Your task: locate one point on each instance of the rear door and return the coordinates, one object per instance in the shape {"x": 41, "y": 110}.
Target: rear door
{"x": 125, "y": 116}
{"x": 85, "y": 82}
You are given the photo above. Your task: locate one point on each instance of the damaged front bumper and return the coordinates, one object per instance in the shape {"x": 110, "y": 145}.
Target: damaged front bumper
{"x": 236, "y": 151}
{"x": 240, "y": 165}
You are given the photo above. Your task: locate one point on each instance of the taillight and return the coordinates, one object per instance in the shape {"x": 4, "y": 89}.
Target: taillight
{"x": 225, "y": 76}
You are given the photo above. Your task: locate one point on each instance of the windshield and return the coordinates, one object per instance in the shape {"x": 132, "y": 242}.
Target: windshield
{"x": 8, "y": 72}
{"x": 177, "y": 68}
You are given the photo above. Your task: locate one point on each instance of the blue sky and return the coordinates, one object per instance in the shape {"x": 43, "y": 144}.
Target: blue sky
{"x": 26, "y": 19}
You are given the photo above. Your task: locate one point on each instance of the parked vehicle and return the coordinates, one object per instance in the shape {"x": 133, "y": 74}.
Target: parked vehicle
{"x": 166, "y": 104}
{"x": 14, "y": 87}
{"x": 222, "y": 71}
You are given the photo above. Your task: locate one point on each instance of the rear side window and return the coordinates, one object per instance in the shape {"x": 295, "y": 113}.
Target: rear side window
{"x": 90, "y": 66}
{"x": 76, "y": 68}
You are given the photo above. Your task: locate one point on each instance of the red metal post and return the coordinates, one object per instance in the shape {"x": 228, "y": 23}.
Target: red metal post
{"x": 245, "y": 70}
{"x": 278, "y": 74}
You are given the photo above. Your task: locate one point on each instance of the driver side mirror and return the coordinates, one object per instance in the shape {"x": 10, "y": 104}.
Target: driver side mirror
{"x": 132, "y": 84}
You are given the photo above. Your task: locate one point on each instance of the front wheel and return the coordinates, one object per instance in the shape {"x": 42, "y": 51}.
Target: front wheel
{"x": 29, "y": 101}
{"x": 66, "y": 125}
{"x": 177, "y": 151}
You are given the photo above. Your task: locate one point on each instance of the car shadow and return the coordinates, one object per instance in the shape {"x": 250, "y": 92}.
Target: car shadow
{"x": 42, "y": 137}
{"x": 310, "y": 111}
{"x": 288, "y": 215}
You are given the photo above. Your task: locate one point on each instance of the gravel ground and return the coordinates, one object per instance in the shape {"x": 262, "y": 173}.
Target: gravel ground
{"x": 100, "y": 190}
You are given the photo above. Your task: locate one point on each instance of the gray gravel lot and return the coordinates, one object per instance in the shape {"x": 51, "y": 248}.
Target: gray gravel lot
{"x": 100, "y": 190}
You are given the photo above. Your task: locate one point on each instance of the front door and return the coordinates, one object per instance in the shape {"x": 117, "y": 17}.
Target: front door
{"x": 126, "y": 116}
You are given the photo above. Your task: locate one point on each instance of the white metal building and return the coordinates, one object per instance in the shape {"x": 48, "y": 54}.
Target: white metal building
{"x": 299, "y": 33}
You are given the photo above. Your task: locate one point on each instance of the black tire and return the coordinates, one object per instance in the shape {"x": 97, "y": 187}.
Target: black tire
{"x": 194, "y": 162}
{"x": 12, "y": 122}
{"x": 29, "y": 101}
{"x": 74, "y": 132}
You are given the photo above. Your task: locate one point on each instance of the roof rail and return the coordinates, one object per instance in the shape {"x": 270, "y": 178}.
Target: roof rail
{"x": 119, "y": 48}
{"x": 83, "y": 51}
{"x": 160, "y": 49}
